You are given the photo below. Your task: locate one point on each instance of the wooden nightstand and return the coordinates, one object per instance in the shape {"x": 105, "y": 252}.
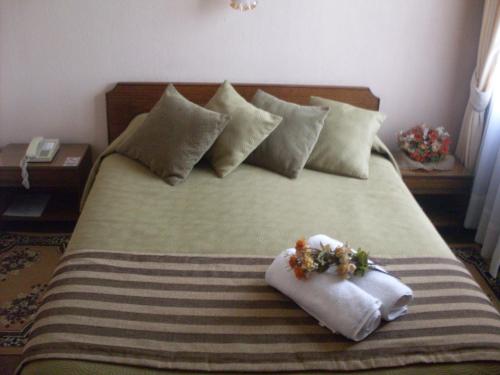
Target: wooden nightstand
{"x": 63, "y": 183}
{"x": 443, "y": 195}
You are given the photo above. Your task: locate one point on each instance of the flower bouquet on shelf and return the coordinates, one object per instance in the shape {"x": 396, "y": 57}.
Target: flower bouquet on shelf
{"x": 425, "y": 148}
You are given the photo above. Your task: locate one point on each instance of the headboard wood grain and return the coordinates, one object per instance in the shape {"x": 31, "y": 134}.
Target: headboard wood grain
{"x": 127, "y": 100}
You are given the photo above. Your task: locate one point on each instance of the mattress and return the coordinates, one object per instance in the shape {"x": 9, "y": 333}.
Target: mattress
{"x": 251, "y": 211}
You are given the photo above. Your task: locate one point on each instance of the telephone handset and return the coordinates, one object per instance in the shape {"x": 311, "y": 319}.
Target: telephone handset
{"x": 40, "y": 150}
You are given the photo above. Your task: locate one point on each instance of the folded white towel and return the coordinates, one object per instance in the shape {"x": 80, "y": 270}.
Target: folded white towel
{"x": 394, "y": 295}
{"x": 336, "y": 303}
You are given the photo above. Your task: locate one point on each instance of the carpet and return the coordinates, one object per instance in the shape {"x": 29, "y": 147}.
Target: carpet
{"x": 473, "y": 256}
{"x": 26, "y": 265}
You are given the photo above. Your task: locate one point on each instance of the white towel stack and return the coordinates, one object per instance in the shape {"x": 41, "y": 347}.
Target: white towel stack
{"x": 353, "y": 308}
{"x": 336, "y": 303}
{"x": 394, "y": 295}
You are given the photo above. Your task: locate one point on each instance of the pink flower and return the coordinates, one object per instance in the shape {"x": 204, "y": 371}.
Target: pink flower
{"x": 432, "y": 135}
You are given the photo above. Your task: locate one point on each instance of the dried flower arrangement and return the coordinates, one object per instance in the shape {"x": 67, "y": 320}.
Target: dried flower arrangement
{"x": 424, "y": 144}
{"x": 307, "y": 260}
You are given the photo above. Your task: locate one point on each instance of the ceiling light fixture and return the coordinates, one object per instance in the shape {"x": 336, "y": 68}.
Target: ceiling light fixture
{"x": 243, "y": 5}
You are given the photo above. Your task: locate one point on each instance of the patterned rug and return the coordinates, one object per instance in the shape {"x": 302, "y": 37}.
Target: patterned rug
{"x": 473, "y": 256}
{"x": 26, "y": 265}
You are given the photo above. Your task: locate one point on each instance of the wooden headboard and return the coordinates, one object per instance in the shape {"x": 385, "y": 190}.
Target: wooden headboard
{"x": 127, "y": 100}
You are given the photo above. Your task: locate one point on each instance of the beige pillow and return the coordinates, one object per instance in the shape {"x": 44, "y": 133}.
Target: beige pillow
{"x": 248, "y": 127}
{"x": 174, "y": 136}
{"x": 287, "y": 149}
{"x": 345, "y": 143}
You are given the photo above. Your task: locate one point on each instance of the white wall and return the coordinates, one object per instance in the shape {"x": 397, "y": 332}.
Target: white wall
{"x": 58, "y": 57}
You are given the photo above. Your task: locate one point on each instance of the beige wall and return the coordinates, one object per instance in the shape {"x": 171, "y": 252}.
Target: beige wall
{"x": 58, "y": 57}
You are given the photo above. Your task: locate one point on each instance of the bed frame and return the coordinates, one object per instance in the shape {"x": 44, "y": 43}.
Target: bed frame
{"x": 127, "y": 100}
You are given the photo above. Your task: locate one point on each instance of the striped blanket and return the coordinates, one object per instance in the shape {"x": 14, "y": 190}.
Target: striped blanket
{"x": 215, "y": 313}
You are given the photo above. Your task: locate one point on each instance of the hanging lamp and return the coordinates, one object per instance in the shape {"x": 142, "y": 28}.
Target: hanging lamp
{"x": 243, "y": 5}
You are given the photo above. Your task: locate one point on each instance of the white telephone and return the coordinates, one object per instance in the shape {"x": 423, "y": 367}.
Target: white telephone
{"x": 40, "y": 150}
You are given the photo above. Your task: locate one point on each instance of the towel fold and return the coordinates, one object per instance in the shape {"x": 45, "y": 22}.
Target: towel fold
{"x": 321, "y": 239}
{"x": 336, "y": 303}
{"x": 394, "y": 295}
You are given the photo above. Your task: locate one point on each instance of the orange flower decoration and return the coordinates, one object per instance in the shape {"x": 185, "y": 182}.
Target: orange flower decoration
{"x": 301, "y": 244}
{"x": 343, "y": 270}
{"x": 308, "y": 259}
{"x": 299, "y": 273}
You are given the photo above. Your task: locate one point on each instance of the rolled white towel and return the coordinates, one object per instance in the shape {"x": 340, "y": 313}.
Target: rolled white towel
{"x": 322, "y": 239}
{"x": 336, "y": 303}
{"x": 394, "y": 295}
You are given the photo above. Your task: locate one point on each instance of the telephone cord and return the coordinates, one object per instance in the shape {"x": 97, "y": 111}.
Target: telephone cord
{"x": 24, "y": 172}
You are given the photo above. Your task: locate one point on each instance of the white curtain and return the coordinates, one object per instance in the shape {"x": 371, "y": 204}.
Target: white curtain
{"x": 481, "y": 85}
{"x": 484, "y": 207}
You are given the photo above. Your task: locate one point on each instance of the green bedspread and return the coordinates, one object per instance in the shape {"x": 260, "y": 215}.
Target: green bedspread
{"x": 251, "y": 211}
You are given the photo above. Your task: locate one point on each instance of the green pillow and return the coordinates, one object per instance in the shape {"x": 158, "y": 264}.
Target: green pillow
{"x": 287, "y": 149}
{"x": 248, "y": 127}
{"x": 345, "y": 143}
{"x": 174, "y": 136}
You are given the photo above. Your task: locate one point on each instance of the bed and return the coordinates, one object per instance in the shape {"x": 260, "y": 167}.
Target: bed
{"x": 257, "y": 213}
